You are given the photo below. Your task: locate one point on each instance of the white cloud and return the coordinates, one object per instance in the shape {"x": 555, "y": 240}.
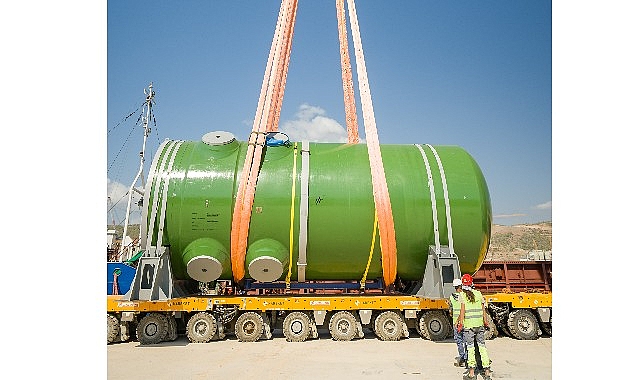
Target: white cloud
{"x": 118, "y": 194}
{"x": 544, "y": 206}
{"x": 508, "y": 215}
{"x": 311, "y": 124}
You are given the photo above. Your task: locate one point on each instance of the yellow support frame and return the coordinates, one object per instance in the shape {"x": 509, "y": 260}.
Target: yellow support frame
{"x": 522, "y": 300}
{"x": 266, "y": 303}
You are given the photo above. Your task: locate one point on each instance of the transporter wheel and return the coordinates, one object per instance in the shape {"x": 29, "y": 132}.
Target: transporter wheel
{"x": 201, "y": 327}
{"x": 493, "y": 332}
{"x": 172, "y": 330}
{"x": 546, "y": 327}
{"x": 523, "y": 324}
{"x": 168, "y": 319}
{"x": 434, "y": 325}
{"x": 113, "y": 328}
{"x": 421, "y": 327}
{"x": 152, "y": 328}
{"x": 296, "y": 327}
{"x": 388, "y": 326}
{"x": 249, "y": 327}
{"x": 342, "y": 326}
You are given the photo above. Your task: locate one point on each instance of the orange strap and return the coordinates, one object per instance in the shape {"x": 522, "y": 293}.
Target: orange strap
{"x": 265, "y": 120}
{"x": 281, "y": 73}
{"x": 379, "y": 182}
{"x": 346, "y": 69}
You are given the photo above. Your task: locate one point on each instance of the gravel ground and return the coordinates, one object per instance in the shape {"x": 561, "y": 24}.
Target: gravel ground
{"x": 323, "y": 358}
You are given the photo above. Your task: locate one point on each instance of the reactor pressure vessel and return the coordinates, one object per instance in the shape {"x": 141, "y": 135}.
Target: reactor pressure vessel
{"x": 437, "y": 193}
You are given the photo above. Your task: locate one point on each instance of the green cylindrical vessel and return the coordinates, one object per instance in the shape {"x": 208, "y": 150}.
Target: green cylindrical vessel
{"x": 192, "y": 187}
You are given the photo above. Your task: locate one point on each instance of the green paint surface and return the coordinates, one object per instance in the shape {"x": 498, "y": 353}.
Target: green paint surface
{"x": 202, "y": 184}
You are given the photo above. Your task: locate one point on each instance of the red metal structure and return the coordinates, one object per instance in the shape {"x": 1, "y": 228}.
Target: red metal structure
{"x": 514, "y": 276}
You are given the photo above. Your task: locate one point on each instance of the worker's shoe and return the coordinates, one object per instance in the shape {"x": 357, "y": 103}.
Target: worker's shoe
{"x": 458, "y": 362}
{"x": 469, "y": 374}
{"x": 486, "y": 373}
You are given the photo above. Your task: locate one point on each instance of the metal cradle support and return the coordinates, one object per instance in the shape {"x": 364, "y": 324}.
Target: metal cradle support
{"x": 440, "y": 271}
{"x": 153, "y": 280}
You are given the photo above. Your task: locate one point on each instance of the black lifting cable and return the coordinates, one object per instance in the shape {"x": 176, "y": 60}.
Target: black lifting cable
{"x": 124, "y": 144}
{"x": 118, "y": 201}
{"x": 155, "y": 128}
{"x": 126, "y": 117}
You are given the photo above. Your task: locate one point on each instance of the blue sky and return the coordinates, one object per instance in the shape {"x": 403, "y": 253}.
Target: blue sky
{"x": 467, "y": 73}
{"x": 63, "y": 88}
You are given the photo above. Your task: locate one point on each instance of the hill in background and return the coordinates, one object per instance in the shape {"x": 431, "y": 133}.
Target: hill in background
{"x": 516, "y": 242}
{"x": 521, "y": 241}
{"x": 133, "y": 230}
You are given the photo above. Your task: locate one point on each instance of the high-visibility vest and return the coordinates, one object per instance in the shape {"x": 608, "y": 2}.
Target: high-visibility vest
{"x": 455, "y": 301}
{"x": 473, "y": 310}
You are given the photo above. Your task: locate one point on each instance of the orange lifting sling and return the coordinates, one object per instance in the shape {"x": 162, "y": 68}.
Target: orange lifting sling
{"x": 267, "y": 118}
{"x": 351, "y": 121}
{"x": 379, "y": 183}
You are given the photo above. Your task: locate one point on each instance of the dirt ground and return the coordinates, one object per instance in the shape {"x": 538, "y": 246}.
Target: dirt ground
{"x": 323, "y": 358}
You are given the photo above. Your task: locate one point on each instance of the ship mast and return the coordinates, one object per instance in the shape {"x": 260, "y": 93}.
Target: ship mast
{"x": 149, "y": 101}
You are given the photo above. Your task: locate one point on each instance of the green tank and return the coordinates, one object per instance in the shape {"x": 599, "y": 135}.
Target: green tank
{"x": 191, "y": 189}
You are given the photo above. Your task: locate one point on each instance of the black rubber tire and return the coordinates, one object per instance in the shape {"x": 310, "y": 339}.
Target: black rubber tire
{"x": 201, "y": 327}
{"x": 296, "y": 327}
{"x": 249, "y": 327}
{"x": 172, "y": 330}
{"x": 152, "y": 328}
{"x": 342, "y": 326}
{"x": 388, "y": 326}
{"x": 434, "y": 325}
{"x": 546, "y": 327}
{"x": 113, "y": 329}
{"x": 421, "y": 327}
{"x": 523, "y": 324}
{"x": 493, "y": 332}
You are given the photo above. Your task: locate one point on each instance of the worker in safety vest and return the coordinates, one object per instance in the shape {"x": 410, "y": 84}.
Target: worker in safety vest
{"x": 455, "y": 307}
{"x": 471, "y": 321}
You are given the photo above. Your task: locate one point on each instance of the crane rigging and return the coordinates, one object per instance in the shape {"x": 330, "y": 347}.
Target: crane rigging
{"x": 111, "y": 211}
{"x": 267, "y": 117}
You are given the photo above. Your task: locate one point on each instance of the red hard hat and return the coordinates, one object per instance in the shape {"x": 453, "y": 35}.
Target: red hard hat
{"x": 466, "y": 279}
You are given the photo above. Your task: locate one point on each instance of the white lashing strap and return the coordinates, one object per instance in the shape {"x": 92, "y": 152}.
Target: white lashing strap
{"x": 144, "y": 225}
{"x": 430, "y": 184}
{"x": 450, "y": 239}
{"x": 304, "y": 209}
{"x": 157, "y": 181}
{"x": 156, "y": 186}
{"x": 163, "y": 208}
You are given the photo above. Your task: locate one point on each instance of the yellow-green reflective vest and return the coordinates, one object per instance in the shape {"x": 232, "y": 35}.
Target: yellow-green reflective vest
{"x": 455, "y": 301}
{"x": 473, "y": 310}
